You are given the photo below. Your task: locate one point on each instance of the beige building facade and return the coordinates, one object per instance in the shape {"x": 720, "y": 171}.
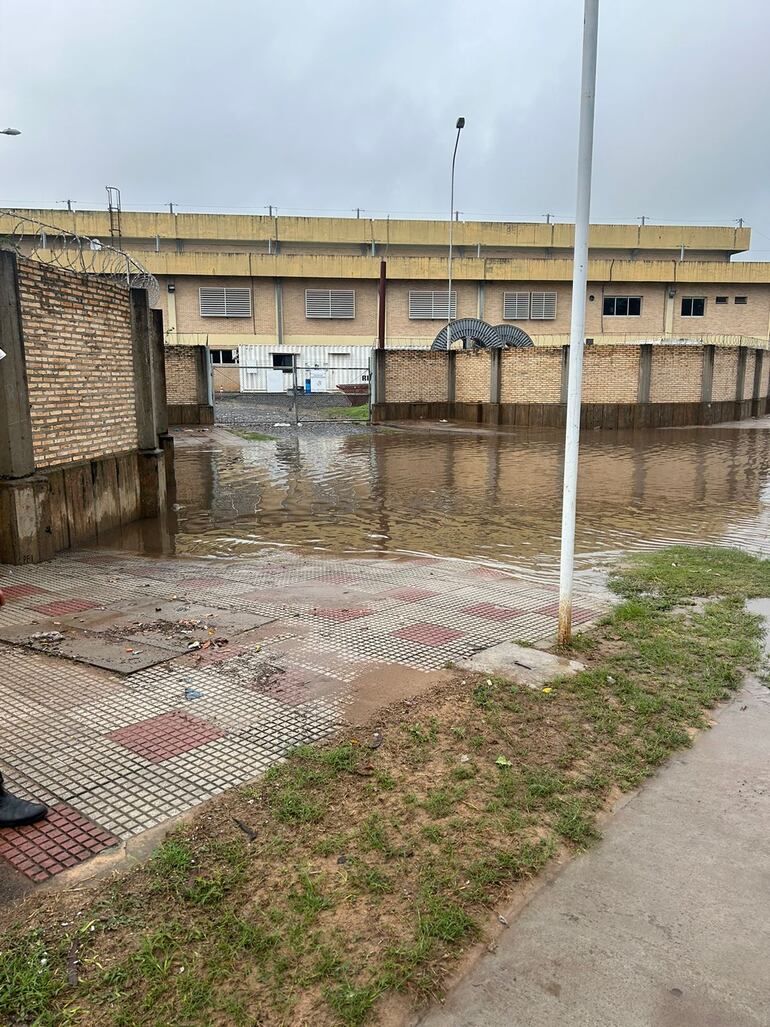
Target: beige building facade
{"x": 284, "y": 283}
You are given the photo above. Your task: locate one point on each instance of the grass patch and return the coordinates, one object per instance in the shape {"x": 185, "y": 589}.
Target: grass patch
{"x": 372, "y": 870}
{"x": 359, "y": 413}
{"x": 253, "y": 436}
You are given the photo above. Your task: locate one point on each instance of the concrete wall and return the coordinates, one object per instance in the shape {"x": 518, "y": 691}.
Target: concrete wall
{"x": 623, "y": 386}
{"x": 83, "y": 443}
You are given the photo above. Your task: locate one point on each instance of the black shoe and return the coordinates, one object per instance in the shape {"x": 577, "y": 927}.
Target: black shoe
{"x": 15, "y": 812}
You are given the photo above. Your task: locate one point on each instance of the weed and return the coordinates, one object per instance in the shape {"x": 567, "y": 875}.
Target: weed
{"x": 445, "y": 920}
{"x": 306, "y": 899}
{"x": 352, "y": 1002}
{"x": 255, "y": 436}
{"x": 576, "y": 824}
{"x": 372, "y": 835}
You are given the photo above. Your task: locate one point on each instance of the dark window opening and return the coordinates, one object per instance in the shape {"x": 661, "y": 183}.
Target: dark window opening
{"x": 742, "y": 299}
{"x": 283, "y": 361}
{"x": 693, "y": 306}
{"x": 224, "y": 356}
{"x": 721, "y": 299}
{"x": 622, "y": 306}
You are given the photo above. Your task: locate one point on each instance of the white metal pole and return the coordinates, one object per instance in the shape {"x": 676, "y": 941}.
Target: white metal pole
{"x": 460, "y": 125}
{"x": 577, "y": 326}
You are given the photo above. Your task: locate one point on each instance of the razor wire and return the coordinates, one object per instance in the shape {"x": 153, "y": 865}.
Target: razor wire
{"x": 79, "y": 254}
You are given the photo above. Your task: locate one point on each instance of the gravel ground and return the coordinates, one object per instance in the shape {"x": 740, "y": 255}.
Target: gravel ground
{"x": 244, "y": 409}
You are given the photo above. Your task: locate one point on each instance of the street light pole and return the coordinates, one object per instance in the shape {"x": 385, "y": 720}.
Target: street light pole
{"x": 459, "y": 126}
{"x": 577, "y": 326}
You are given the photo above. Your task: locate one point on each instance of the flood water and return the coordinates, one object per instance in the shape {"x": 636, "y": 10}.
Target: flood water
{"x": 493, "y": 498}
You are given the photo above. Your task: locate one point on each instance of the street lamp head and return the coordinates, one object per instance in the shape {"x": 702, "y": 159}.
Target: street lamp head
{"x": 460, "y": 123}
{"x": 10, "y": 132}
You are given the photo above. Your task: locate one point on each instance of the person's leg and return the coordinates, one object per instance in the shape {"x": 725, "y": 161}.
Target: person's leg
{"x": 15, "y": 812}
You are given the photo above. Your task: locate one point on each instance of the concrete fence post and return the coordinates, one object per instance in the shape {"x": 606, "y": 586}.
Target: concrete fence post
{"x": 158, "y": 366}
{"x": 740, "y": 381}
{"x": 152, "y": 464}
{"x": 756, "y": 392}
{"x": 380, "y": 357}
{"x": 25, "y": 498}
{"x": 144, "y": 398}
{"x": 17, "y": 458}
{"x": 203, "y": 375}
{"x": 564, "y": 375}
{"x": 495, "y": 384}
{"x": 645, "y": 373}
{"x": 707, "y": 383}
{"x": 451, "y": 376}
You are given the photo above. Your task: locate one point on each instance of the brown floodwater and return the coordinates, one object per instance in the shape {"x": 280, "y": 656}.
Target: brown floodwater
{"x": 490, "y": 497}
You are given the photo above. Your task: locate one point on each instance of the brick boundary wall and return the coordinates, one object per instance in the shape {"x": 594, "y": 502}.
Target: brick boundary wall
{"x": 84, "y": 446}
{"x": 187, "y": 387}
{"x": 624, "y": 386}
{"x": 80, "y": 374}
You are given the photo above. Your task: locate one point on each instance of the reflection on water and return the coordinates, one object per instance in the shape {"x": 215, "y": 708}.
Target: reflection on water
{"x": 489, "y": 497}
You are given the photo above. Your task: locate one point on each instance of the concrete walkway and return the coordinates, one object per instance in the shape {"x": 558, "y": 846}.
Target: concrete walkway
{"x": 666, "y": 923}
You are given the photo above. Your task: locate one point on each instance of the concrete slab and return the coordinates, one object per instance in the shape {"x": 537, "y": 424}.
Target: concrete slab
{"x": 146, "y": 634}
{"x": 520, "y": 663}
{"x": 666, "y": 923}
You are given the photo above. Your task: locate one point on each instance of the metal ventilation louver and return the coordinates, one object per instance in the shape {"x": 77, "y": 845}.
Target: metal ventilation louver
{"x": 430, "y": 304}
{"x": 516, "y": 306}
{"x": 543, "y": 306}
{"x": 216, "y": 301}
{"x": 337, "y": 303}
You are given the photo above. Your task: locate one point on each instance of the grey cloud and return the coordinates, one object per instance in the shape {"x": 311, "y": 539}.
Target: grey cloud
{"x": 331, "y": 106}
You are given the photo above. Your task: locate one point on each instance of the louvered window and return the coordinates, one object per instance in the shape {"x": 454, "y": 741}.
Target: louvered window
{"x": 217, "y": 301}
{"x": 431, "y": 305}
{"x": 543, "y": 306}
{"x": 330, "y": 303}
{"x": 515, "y": 306}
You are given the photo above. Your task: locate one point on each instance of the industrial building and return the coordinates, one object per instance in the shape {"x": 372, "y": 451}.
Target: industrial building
{"x": 267, "y": 292}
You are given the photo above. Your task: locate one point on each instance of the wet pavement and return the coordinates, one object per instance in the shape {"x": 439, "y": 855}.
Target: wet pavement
{"x": 137, "y": 687}
{"x": 299, "y": 583}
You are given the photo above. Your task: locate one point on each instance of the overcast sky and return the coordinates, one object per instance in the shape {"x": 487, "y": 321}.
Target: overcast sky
{"x": 328, "y": 106}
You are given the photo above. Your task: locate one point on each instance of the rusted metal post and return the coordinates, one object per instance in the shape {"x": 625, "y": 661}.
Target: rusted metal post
{"x": 577, "y": 326}
{"x": 381, "y": 307}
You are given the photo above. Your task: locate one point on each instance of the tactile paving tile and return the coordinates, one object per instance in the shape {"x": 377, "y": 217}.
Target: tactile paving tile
{"x": 492, "y": 612}
{"x": 60, "y": 841}
{"x": 11, "y": 592}
{"x": 427, "y": 634}
{"x": 65, "y": 731}
{"x": 61, "y": 607}
{"x": 165, "y": 735}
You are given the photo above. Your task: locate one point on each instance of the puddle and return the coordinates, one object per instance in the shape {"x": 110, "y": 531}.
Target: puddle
{"x": 488, "y": 497}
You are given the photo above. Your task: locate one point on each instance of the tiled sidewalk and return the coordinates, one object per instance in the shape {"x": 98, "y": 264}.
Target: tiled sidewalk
{"x": 115, "y": 754}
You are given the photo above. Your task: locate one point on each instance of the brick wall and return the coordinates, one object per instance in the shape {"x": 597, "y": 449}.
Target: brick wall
{"x": 534, "y": 375}
{"x": 472, "y": 376}
{"x": 189, "y": 320}
{"x": 725, "y": 374}
{"x": 363, "y": 324}
{"x": 415, "y": 377}
{"x": 530, "y": 375}
{"x": 611, "y": 374}
{"x": 182, "y": 375}
{"x": 677, "y": 374}
{"x": 77, "y": 338}
{"x": 731, "y": 318}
